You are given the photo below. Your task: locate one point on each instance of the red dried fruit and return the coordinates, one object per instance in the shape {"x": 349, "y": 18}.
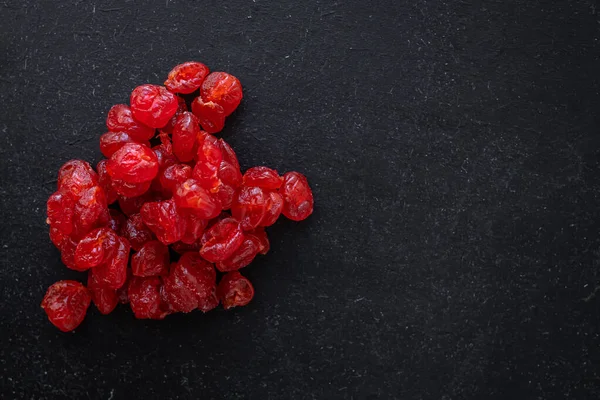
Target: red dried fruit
{"x": 262, "y": 177}
{"x": 173, "y": 176}
{"x": 164, "y": 155}
{"x": 91, "y": 211}
{"x": 297, "y": 196}
{"x": 75, "y": 176}
{"x": 66, "y": 303}
{"x": 93, "y": 248}
{"x": 208, "y": 162}
{"x": 210, "y": 115}
{"x": 106, "y": 182}
{"x": 162, "y": 217}
{"x": 191, "y": 196}
{"x": 234, "y": 290}
{"x": 104, "y": 299}
{"x": 58, "y": 238}
{"x": 242, "y": 257}
{"x": 249, "y": 207}
{"x": 117, "y": 220}
{"x": 59, "y": 209}
{"x": 122, "y": 291}
{"x": 187, "y": 77}
{"x": 120, "y": 119}
{"x": 230, "y": 176}
{"x": 194, "y": 227}
{"x": 110, "y": 142}
{"x": 185, "y": 134}
{"x": 223, "y": 89}
{"x": 151, "y": 260}
{"x": 273, "y": 209}
{"x": 136, "y": 232}
{"x": 181, "y": 107}
{"x": 127, "y": 189}
{"x": 221, "y": 240}
{"x": 133, "y": 205}
{"x": 261, "y": 235}
{"x": 133, "y": 163}
{"x": 181, "y": 247}
{"x": 113, "y": 273}
{"x": 67, "y": 252}
{"x": 153, "y": 105}
{"x": 191, "y": 284}
{"x": 145, "y": 300}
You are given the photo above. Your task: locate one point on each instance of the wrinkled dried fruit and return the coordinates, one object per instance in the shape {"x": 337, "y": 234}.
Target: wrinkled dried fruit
{"x": 187, "y": 77}
{"x": 273, "y": 209}
{"x": 104, "y": 299}
{"x": 151, "y": 260}
{"x": 120, "y": 119}
{"x": 191, "y": 196}
{"x": 262, "y": 177}
{"x": 91, "y": 211}
{"x": 106, "y": 182}
{"x": 234, "y": 290}
{"x": 66, "y": 303}
{"x": 162, "y": 217}
{"x": 191, "y": 284}
{"x": 59, "y": 209}
{"x": 133, "y": 163}
{"x": 110, "y": 142}
{"x": 153, "y": 105}
{"x": 297, "y": 196}
{"x": 75, "y": 176}
{"x": 113, "y": 273}
{"x": 249, "y": 207}
{"x": 185, "y": 134}
{"x": 173, "y": 176}
{"x": 242, "y": 257}
{"x": 94, "y": 248}
{"x": 145, "y": 300}
{"x": 172, "y": 196}
{"x": 210, "y": 115}
{"x": 223, "y": 89}
{"x": 136, "y": 232}
{"x": 221, "y": 240}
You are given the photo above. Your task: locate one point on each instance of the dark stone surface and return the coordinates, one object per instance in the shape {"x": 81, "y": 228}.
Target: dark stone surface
{"x": 454, "y": 154}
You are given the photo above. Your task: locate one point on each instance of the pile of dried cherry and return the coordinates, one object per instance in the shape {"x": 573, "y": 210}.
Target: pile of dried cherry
{"x": 144, "y": 203}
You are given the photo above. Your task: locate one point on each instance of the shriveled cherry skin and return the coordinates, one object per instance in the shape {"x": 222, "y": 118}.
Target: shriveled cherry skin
{"x": 191, "y": 196}
{"x": 173, "y": 176}
{"x": 145, "y": 299}
{"x": 105, "y": 299}
{"x": 133, "y": 163}
{"x": 185, "y": 134}
{"x": 164, "y": 219}
{"x": 222, "y": 88}
{"x": 151, "y": 260}
{"x": 262, "y": 177}
{"x": 120, "y": 119}
{"x": 234, "y": 290}
{"x": 249, "y": 207}
{"x": 66, "y": 303}
{"x": 297, "y": 196}
{"x": 136, "y": 231}
{"x": 75, "y": 176}
{"x": 59, "y": 209}
{"x": 113, "y": 273}
{"x": 221, "y": 240}
{"x": 153, "y": 105}
{"x": 242, "y": 257}
{"x": 110, "y": 142}
{"x": 95, "y": 248}
{"x": 187, "y": 77}
{"x": 273, "y": 209}
{"x": 209, "y": 114}
{"x": 106, "y": 182}
{"x": 191, "y": 284}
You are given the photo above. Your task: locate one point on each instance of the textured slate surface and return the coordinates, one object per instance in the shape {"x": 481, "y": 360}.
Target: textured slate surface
{"x": 454, "y": 154}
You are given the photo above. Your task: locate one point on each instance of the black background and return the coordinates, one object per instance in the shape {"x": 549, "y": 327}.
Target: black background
{"x": 453, "y": 150}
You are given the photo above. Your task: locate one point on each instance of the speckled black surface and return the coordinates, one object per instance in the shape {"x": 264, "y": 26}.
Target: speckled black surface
{"x": 453, "y": 150}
